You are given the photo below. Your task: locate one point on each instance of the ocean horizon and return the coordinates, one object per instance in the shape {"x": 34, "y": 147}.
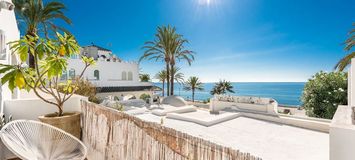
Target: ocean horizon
{"x": 285, "y": 93}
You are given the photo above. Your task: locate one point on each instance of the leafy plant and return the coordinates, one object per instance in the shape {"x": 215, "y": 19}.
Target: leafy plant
{"x": 222, "y": 87}
{"x": 51, "y": 56}
{"x": 3, "y": 120}
{"x": 116, "y": 98}
{"x": 206, "y": 101}
{"x": 39, "y": 18}
{"x": 144, "y": 77}
{"x": 118, "y": 106}
{"x": 145, "y": 97}
{"x": 193, "y": 84}
{"x": 323, "y": 93}
{"x": 84, "y": 88}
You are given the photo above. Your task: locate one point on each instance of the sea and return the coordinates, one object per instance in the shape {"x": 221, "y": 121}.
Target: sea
{"x": 285, "y": 93}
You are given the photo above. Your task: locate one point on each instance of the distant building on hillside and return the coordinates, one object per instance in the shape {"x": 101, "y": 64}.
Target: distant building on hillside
{"x": 111, "y": 75}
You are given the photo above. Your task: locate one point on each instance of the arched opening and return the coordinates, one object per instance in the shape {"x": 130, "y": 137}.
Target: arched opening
{"x": 130, "y": 76}
{"x": 124, "y": 75}
{"x": 97, "y": 74}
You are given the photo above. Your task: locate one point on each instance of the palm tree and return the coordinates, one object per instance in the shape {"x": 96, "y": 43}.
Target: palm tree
{"x": 161, "y": 76}
{"x": 178, "y": 76}
{"x": 222, "y": 87}
{"x": 161, "y": 48}
{"x": 179, "y": 53}
{"x": 144, "y": 77}
{"x": 349, "y": 44}
{"x": 193, "y": 84}
{"x": 39, "y": 18}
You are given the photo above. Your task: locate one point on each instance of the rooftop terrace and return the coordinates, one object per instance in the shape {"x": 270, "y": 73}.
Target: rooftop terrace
{"x": 259, "y": 137}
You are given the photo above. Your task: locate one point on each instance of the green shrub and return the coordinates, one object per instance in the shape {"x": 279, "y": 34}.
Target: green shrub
{"x": 323, "y": 93}
{"x": 206, "y": 101}
{"x": 116, "y": 98}
{"x": 145, "y": 97}
{"x": 84, "y": 88}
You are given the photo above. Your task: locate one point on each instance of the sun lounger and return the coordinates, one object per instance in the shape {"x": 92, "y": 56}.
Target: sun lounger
{"x": 165, "y": 109}
{"x": 203, "y": 117}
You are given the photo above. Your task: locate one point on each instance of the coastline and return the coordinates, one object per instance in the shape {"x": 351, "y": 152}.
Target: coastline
{"x": 285, "y": 93}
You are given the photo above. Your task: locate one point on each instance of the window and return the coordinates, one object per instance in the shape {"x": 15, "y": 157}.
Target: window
{"x": 74, "y": 56}
{"x": 97, "y": 74}
{"x": 72, "y": 73}
{"x": 130, "y": 76}
{"x": 124, "y": 75}
{"x": 64, "y": 76}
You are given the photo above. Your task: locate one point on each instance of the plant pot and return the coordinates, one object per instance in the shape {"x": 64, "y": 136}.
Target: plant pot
{"x": 69, "y": 122}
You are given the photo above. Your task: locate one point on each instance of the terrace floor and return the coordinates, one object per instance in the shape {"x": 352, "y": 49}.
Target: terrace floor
{"x": 267, "y": 140}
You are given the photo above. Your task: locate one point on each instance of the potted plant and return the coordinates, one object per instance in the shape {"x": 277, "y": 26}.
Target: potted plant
{"x": 51, "y": 59}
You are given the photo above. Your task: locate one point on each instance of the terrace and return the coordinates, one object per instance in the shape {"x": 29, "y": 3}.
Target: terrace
{"x": 112, "y": 134}
{"x": 252, "y": 134}
{"x": 245, "y": 128}
{"x": 258, "y": 137}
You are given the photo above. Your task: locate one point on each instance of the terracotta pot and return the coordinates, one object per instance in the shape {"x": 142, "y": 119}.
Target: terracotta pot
{"x": 70, "y": 122}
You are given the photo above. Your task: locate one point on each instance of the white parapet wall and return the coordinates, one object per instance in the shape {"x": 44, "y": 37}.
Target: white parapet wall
{"x": 8, "y": 33}
{"x": 265, "y": 109}
{"x": 342, "y": 134}
{"x": 351, "y": 83}
{"x": 137, "y": 94}
{"x": 30, "y": 107}
{"x": 243, "y": 103}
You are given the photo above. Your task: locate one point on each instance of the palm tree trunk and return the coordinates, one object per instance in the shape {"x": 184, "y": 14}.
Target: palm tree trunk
{"x": 31, "y": 58}
{"x": 167, "y": 79}
{"x": 163, "y": 87}
{"x": 193, "y": 95}
{"x": 172, "y": 80}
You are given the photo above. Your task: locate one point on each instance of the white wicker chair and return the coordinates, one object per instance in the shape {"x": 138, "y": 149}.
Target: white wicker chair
{"x": 32, "y": 140}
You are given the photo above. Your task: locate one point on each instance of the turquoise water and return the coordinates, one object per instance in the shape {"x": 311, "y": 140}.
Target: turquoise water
{"x": 286, "y": 93}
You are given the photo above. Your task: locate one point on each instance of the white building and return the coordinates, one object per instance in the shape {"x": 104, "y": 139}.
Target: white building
{"x": 110, "y": 75}
{"x": 8, "y": 32}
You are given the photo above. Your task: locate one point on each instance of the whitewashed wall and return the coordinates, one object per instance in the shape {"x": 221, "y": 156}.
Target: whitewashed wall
{"x": 342, "y": 134}
{"x": 9, "y": 26}
{"x": 30, "y": 107}
{"x": 342, "y": 128}
{"x": 351, "y": 83}
{"x": 110, "y": 73}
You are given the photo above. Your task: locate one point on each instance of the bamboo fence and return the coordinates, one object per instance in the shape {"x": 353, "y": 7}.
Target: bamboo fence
{"x": 114, "y": 135}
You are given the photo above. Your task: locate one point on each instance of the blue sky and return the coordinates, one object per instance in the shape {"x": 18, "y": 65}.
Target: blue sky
{"x": 236, "y": 40}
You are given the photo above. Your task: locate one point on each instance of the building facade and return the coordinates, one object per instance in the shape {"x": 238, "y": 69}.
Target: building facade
{"x": 8, "y": 33}
{"x": 110, "y": 74}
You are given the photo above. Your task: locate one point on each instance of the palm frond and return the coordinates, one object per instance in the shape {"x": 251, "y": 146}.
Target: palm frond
{"x": 344, "y": 62}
